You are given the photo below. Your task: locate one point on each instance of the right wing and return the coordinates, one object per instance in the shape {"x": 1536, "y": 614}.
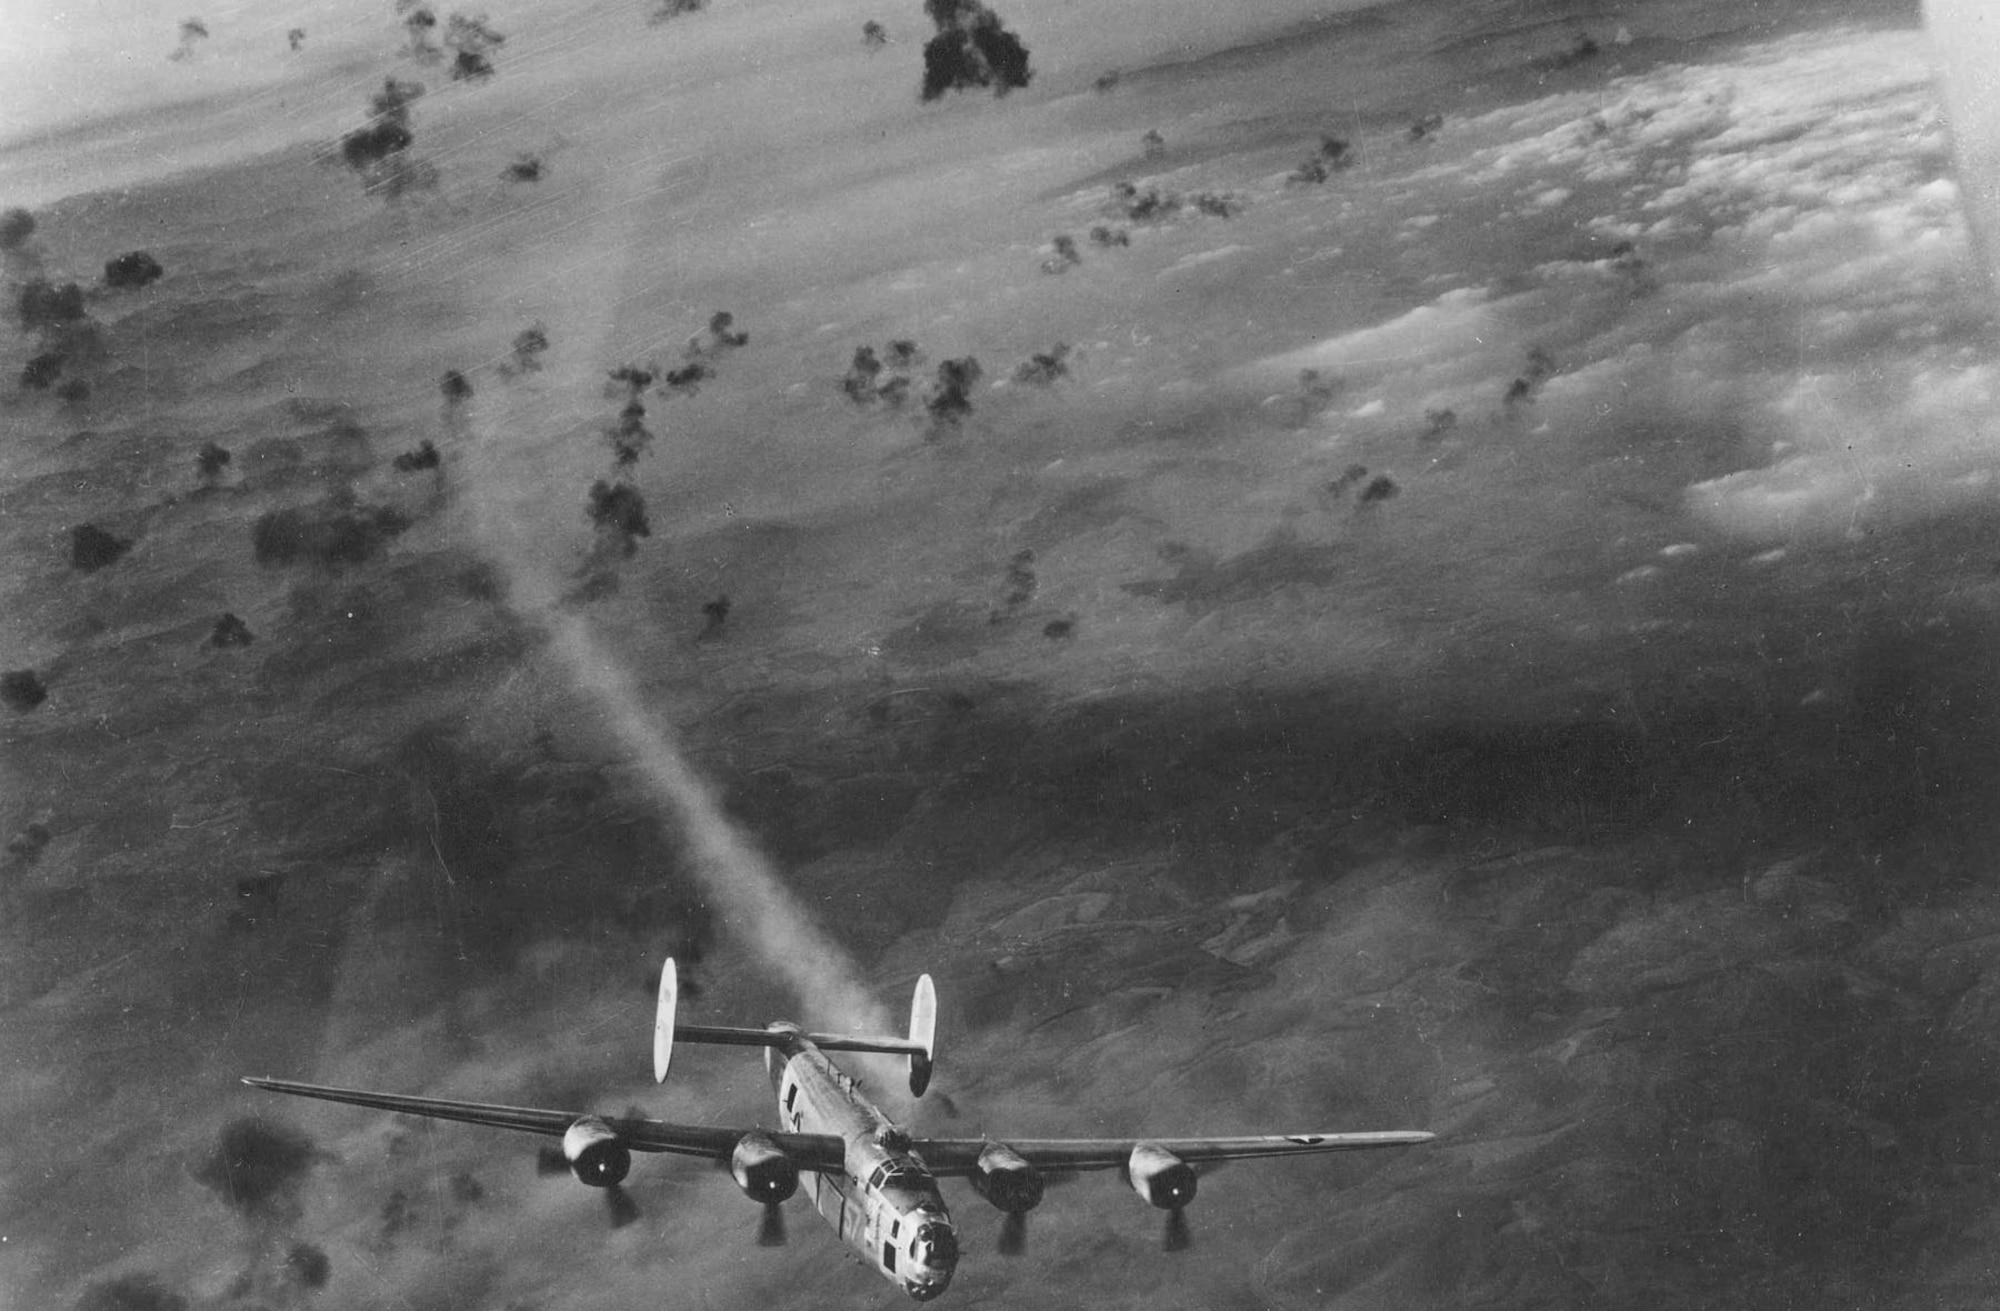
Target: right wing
{"x": 949, "y": 1157}
{"x": 809, "y": 1151}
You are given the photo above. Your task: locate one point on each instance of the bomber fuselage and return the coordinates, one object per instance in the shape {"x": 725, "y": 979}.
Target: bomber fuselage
{"x": 884, "y": 1203}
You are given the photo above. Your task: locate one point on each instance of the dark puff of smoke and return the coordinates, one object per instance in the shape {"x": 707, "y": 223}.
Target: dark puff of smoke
{"x": 722, "y": 327}
{"x": 309, "y": 1265}
{"x": 1044, "y": 367}
{"x": 687, "y": 379}
{"x": 16, "y": 226}
{"x": 418, "y": 24}
{"x": 91, "y": 548}
{"x": 470, "y": 40}
{"x": 971, "y": 49}
{"x": 230, "y": 631}
{"x": 380, "y": 150}
{"x": 669, "y": 9}
{"x": 42, "y": 370}
{"x": 424, "y": 457}
{"x": 136, "y": 268}
{"x": 618, "y": 512}
{"x": 130, "y": 1293}
{"x": 950, "y": 400}
{"x": 43, "y": 306}
{"x": 210, "y": 461}
{"x": 1066, "y": 255}
{"x": 530, "y": 344}
{"x": 328, "y": 536}
{"x": 22, "y": 690}
{"x": 193, "y": 33}
{"x": 630, "y": 438}
{"x": 27, "y": 845}
{"x": 257, "y": 1166}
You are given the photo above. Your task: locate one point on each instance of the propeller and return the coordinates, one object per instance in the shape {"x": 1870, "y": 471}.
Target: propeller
{"x": 771, "y": 1233}
{"x": 1176, "y": 1237}
{"x": 623, "y": 1210}
{"x": 1014, "y": 1233}
{"x": 618, "y": 1203}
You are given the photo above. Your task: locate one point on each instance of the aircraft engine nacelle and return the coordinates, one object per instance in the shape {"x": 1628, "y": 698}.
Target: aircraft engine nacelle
{"x": 1005, "y": 1179}
{"x": 595, "y": 1155}
{"x": 1160, "y": 1177}
{"x": 762, "y": 1170}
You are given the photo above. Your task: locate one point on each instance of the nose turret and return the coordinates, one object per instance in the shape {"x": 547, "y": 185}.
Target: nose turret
{"x": 933, "y": 1258}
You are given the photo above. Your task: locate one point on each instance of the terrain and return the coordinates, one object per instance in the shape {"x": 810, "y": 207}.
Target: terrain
{"x": 1561, "y": 720}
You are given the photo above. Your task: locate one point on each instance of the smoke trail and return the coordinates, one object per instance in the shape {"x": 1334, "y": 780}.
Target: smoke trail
{"x": 508, "y": 482}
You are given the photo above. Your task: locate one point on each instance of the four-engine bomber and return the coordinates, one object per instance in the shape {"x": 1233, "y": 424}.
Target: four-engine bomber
{"x": 874, "y": 1183}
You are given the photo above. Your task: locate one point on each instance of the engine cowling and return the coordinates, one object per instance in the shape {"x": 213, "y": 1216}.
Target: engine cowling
{"x": 1160, "y": 1177}
{"x": 762, "y": 1170}
{"x": 1007, "y": 1180}
{"x": 596, "y": 1156}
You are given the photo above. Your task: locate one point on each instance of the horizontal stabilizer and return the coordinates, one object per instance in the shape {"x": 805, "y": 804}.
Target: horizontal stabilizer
{"x": 733, "y": 1036}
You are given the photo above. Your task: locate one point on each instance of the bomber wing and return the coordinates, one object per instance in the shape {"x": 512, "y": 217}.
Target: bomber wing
{"x": 809, "y": 1151}
{"x": 959, "y": 1157}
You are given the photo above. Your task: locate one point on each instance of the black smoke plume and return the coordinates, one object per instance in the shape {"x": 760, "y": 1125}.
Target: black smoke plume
{"x": 193, "y": 33}
{"x": 530, "y": 344}
{"x": 470, "y": 41}
{"x": 42, "y": 306}
{"x": 687, "y": 379}
{"x": 951, "y": 395}
{"x": 22, "y": 690}
{"x": 308, "y": 1265}
{"x": 27, "y": 845}
{"x": 329, "y": 536}
{"x": 424, "y": 457}
{"x": 418, "y": 24}
{"x": 971, "y": 49}
{"x": 630, "y": 438}
{"x": 380, "y": 151}
{"x": 130, "y": 1293}
{"x": 210, "y": 461}
{"x": 619, "y": 513}
{"x": 42, "y": 370}
{"x": 16, "y": 226}
{"x": 257, "y": 1166}
{"x": 91, "y": 548}
{"x": 230, "y": 631}
{"x": 133, "y": 269}
{"x": 1044, "y": 367}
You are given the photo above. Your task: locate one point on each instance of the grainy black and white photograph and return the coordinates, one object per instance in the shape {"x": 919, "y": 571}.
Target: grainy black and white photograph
{"x": 1310, "y": 655}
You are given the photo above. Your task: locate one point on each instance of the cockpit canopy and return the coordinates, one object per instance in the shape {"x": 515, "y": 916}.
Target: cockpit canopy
{"x": 901, "y": 1174}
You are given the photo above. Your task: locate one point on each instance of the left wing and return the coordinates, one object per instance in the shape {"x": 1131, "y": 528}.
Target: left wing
{"x": 809, "y": 1151}
{"x": 959, "y": 1157}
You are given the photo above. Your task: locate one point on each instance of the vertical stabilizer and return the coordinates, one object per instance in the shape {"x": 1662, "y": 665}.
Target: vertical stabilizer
{"x": 923, "y": 1035}
{"x": 663, "y": 1020}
